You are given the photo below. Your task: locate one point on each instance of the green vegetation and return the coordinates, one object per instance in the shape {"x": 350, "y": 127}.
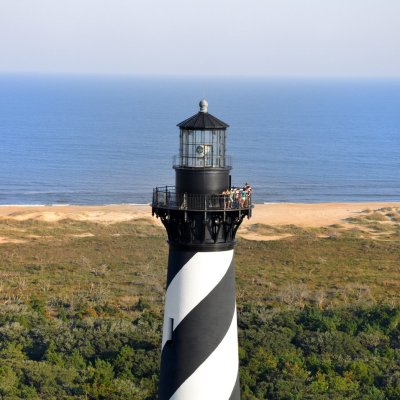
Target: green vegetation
{"x": 314, "y": 354}
{"x": 81, "y": 310}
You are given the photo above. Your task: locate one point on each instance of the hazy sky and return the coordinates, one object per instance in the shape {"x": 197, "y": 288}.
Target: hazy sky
{"x": 207, "y": 37}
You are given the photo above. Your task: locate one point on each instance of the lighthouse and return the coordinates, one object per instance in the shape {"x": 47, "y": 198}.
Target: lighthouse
{"x": 201, "y": 214}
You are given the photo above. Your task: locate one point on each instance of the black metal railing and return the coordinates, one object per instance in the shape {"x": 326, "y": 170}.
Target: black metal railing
{"x": 206, "y": 161}
{"x": 166, "y": 197}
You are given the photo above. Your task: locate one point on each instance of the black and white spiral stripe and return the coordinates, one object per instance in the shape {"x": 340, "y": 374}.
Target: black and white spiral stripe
{"x": 199, "y": 357}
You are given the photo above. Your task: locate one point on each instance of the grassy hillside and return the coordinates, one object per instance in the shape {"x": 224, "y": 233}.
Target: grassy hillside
{"x": 72, "y": 264}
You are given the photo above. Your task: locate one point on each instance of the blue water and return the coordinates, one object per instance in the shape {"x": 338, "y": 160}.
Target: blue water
{"x": 102, "y": 140}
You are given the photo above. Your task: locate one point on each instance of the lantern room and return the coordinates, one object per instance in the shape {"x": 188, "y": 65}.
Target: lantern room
{"x": 202, "y": 140}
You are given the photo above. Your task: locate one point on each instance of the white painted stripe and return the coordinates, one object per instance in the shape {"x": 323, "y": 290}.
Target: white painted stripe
{"x": 192, "y": 284}
{"x": 216, "y": 377}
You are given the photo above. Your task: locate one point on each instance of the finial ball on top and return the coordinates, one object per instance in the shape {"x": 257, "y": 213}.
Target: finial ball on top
{"x": 203, "y": 106}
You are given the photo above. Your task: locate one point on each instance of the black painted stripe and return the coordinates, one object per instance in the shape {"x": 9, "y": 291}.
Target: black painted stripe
{"x": 198, "y": 335}
{"x": 236, "y": 390}
{"x": 177, "y": 259}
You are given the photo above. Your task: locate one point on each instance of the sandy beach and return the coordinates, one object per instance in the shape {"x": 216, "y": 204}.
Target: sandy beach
{"x": 275, "y": 214}
{"x": 278, "y": 214}
{"x": 312, "y": 215}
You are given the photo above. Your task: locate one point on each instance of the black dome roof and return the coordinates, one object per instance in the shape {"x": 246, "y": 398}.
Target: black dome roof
{"x": 202, "y": 120}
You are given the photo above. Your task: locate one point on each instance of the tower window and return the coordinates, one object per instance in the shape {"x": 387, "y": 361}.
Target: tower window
{"x": 170, "y": 329}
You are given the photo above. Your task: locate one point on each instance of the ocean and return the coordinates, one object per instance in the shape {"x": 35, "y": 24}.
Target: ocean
{"x": 107, "y": 140}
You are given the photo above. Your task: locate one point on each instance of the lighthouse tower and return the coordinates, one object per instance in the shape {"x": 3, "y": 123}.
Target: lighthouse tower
{"x": 199, "y": 359}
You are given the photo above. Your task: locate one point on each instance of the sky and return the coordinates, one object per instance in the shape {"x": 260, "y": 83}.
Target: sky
{"x": 284, "y": 38}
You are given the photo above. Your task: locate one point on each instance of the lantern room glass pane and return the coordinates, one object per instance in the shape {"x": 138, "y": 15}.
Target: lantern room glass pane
{"x": 202, "y": 148}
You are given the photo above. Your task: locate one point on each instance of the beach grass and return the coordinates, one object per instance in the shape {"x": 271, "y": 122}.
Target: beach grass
{"x": 118, "y": 269}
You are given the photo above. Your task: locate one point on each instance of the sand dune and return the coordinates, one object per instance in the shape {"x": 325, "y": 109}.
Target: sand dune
{"x": 304, "y": 215}
{"x": 101, "y": 214}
